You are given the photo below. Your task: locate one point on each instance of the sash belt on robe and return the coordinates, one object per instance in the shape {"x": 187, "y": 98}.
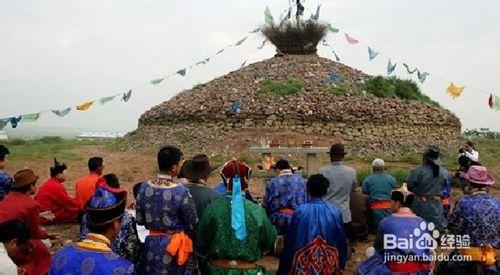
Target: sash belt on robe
{"x": 180, "y": 244}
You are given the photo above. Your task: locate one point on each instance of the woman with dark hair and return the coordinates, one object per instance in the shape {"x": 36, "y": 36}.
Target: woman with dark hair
{"x": 470, "y": 151}
{"x": 427, "y": 183}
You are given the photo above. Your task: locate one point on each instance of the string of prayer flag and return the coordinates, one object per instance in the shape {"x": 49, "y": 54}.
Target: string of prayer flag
{"x": 61, "y": 113}
{"x": 391, "y": 67}
{"x": 351, "y": 40}
{"x": 315, "y": 16}
{"x": 106, "y": 99}
{"x": 496, "y": 103}
{"x": 422, "y": 76}
{"x": 268, "y": 17}
{"x": 126, "y": 96}
{"x": 408, "y": 69}
{"x": 454, "y": 91}
{"x": 372, "y": 54}
{"x": 3, "y": 123}
{"x": 241, "y": 41}
{"x": 181, "y": 72}
{"x": 156, "y": 81}
{"x": 30, "y": 117}
{"x": 14, "y": 121}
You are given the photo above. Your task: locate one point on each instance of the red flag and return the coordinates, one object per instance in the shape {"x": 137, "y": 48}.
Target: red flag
{"x": 351, "y": 40}
{"x": 490, "y": 101}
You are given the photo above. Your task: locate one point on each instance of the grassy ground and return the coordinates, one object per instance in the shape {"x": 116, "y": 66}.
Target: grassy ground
{"x": 132, "y": 167}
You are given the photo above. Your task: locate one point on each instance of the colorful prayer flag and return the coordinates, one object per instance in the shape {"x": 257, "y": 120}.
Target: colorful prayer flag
{"x": 220, "y": 51}
{"x": 256, "y": 30}
{"x": 408, "y": 69}
{"x": 204, "y": 61}
{"x": 335, "y": 54}
{"x": 422, "y": 76}
{"x": 85, "y": 106}
{"x": 300, "y": 9}
{"x": 14, "y": 121}
{"x": 106, "y": 99}
{"x": 332, "y": 29}
{"x": 241, "y": 41}
{"x": 454, "y": 91}
{"x": 496, "y": 103}
{"x": 334, "y": 77}
{"x": 126, "y": 96}
{"x": 268, "y": 17}
{"x": 315, "y": 16}
{"x": 235, "y": 106}
{"x": 61, "y": 113}
{"x": 243, "y": 64}
{"x": 490, "y": 101}
{"x": 351, "y": 40}
{"x": 391, "y": 67}
{"x": 156, "y": 81}
{"x": 3, "y": 123}
{"x": 372, "y": 54}
{"x": 30, "y": 117}
{"x": 181, "y": 72}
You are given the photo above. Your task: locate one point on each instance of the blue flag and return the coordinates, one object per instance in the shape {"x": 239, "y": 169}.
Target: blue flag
{"x": 126, "y": 96}
{"x": 238, "y": 210}
{"x": 256, "y": 30}
{"x": 235, "y": 106}
{"x": 61, "y": 113}
{"x": 391, "y": 67}
{"x": 182, "y": 72}
{"x": 422, "y": 76}
{"x": 14, "y": 121}
{"x": 315, "y": 16}
{"x": 334, "y": 77}
{"x": 372, "y": 54}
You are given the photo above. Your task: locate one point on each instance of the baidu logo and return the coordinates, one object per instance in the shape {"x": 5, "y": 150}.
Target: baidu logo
{"x": 420, "y": 238}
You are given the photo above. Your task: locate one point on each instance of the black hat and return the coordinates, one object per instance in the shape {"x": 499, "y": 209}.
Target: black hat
{"x": 432, "y": 154}
{"x": 197, "y": 168}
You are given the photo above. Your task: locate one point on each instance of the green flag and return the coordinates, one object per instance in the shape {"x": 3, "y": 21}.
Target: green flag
{"x": 332, "y": 29}
{"x": 156, "y": 81}
{"x": 268, "y": 17}
{"x": 496, "y": 104}
{"x": 241, "y": 41}
{"x": 107, "y": 99}
{"x": 30, "y": 117}
{"x": 204, "y": 61}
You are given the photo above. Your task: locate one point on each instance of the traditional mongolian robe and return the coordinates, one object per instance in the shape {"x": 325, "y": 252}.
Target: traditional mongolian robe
{"x": 284, "y": 194}
{"x": 91, "y": 256}
{"x": 315, "y": 242}
{"x": 34, "y": 257}
{"x": 378, "y": 187}
{"x": 126, "y": 244}
{"x": 445, "y": 198}
{"x": 428, "y": 191}
{"x": 401, "y": 225}
{"x": 53, "y": 197}
{"x": 167, "y": 210}
{"x": 478, "y": 216}
{"x": 222, "y": 190}
{"x": 215, "y": 235}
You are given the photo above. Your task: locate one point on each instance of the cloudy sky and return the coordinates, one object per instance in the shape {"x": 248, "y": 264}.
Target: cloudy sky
{"x": 58, "y": 53}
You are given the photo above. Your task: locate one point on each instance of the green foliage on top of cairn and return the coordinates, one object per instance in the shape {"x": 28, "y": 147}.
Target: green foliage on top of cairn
{"x": 395, "y": 87}
{"x": 280, "y": 88}
{"x": 296, "y": 38}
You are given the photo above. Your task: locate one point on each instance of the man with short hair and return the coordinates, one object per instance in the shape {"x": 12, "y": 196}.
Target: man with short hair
{"x": 94, "y": 254}
{"x": 53, "y": 196}
{"x": 284, "y": 194}
{"x": 34, "y": 257}
{"x": 85, "y": 187}
{"x": 235, "y": 231}
{"x": 5, "y": 179}
{"x": 342, "y": 180}
{"x": 378, "y": 187}
{"x": 315, "y": 242}
{"x": 13, "y": 236}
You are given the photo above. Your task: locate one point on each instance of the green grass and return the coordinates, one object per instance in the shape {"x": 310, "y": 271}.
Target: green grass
{"x": 389, "y": 87}
{"x": 182, "y": 137}
{"x": 280, "y": 88}
{"x": 47, "y": 147}
{"x": 339, "y": 90}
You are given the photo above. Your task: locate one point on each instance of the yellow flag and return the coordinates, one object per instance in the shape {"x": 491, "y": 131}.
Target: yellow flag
{"x": 85, "y": 106}
{"x": 454, "y": 91}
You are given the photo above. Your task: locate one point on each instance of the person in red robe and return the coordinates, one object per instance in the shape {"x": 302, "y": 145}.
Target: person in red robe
{"x": 53, "y": 196}
{"x": 33, "y": 257}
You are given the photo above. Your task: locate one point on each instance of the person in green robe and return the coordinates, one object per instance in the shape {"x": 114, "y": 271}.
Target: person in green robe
{"x": 235, "y": 232}
{"x": 427, "y": 182}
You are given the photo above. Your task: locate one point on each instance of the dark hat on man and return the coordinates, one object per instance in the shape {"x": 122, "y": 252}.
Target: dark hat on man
{"x": 57, "y": 168}
{"x": 433, "y": 154}
{"x": 337, "y": 149}
{"x": 197, "y": 168}
{"x": 24, "y": 177}
{"x": 106, "y": 206}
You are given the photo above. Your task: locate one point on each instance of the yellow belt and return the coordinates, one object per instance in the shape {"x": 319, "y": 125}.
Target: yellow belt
{"x": 485, "y": 255}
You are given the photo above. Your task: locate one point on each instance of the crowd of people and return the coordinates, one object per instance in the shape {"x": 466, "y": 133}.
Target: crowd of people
{"x": 177, "y": 224}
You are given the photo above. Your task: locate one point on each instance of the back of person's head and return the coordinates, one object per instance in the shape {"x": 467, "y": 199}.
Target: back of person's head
{"x": 282, "y": 164}
{"x": 317, "y": 185}
{"x": 168, "y": 156}
{"x": 105, "y": 228}
{"x": 398, "y": 196}
{"x": 112, "y": 180}
{"x": 135, "y": 189}
{"x": 95, "y": 163}
{"x": 3, "y": 152}
{"x": 15, "y": 229}
{"x": 409, "y": 200}
{"x": 464, "y": 161}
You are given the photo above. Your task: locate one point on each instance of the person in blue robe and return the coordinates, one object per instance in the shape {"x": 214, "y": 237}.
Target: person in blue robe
{"x": 402, "y": 224}
{"x": 167, "y": 210}
{"x": 284, "y": 194}
{"x": 315, "y": 241}
{"x": 127, "y": 243}
{"x": 476, "y": 220}
{"x": 94, "y": 255}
